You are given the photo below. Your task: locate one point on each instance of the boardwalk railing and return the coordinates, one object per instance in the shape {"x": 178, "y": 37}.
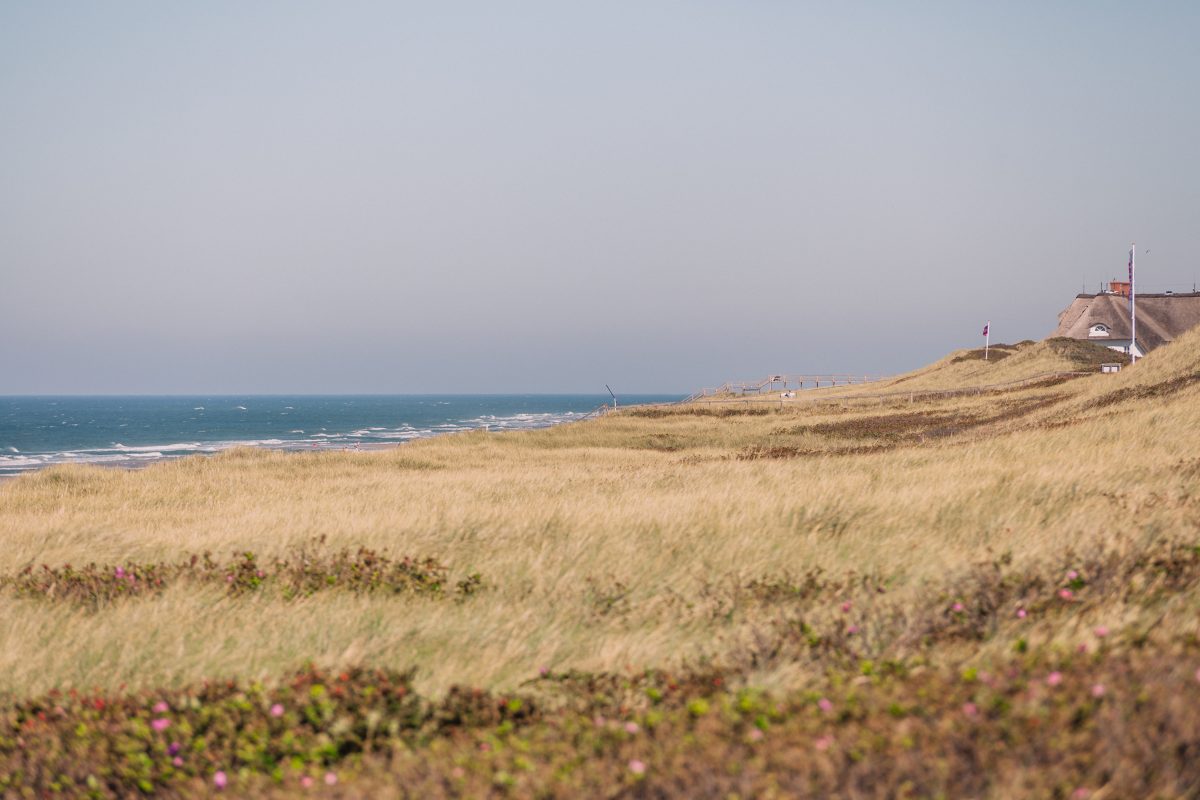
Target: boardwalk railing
{"x": 922, "y": 394}
{"x": 598, "y": 411}
{"x": 778, "y": 382}
{"x": 844, "y": 380}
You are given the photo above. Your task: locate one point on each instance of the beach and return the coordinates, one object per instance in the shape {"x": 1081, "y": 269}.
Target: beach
{"x": 132, "y": 432}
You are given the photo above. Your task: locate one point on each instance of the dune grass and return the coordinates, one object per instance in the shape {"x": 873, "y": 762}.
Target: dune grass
{"x": 679, "y": 538}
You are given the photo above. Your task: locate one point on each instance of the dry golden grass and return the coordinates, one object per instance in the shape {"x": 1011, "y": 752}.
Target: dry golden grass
{"x": 602, "y": 542}
{"x": 960, "y": 370}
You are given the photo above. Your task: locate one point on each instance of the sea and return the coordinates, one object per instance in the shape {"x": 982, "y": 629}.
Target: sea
{"x": 37, "y": 432}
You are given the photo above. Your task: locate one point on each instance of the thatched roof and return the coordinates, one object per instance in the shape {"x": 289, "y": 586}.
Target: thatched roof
{"x": 1160, "y": 317}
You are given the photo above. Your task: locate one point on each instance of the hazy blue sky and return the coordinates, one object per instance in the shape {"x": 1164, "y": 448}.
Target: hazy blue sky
{"x": 452, "y": 196}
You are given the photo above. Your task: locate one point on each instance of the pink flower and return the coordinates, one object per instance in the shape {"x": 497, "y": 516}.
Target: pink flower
{"x": 174, "y": 748}
{"x": 756, "y": 735}
{"x": 1081, "y": 648}
{"x": 825, "y": 705}
{"x": 957, "y": 607}
{"x": 220, "y": 780}
{"x": 330, "y": 779}
{"x": 1072, "y": 575}
{"x": 1098, "y": 690}
{"x": 161, "y": 707}
{"x": 119, "y": 573}
{"x": 306, "y": 781}
{"x": 160, "y": 724}
{"x": 631, "y": 727}
{"x": 229, "y": 579}
{"x": 177, "y": 761}
{"x": 1021, "y": 613}
{"x": 637, "y": 767}
{"x": 846, "y": 606}
{"x": 1100, "y": 631}
{"x": 1065, "y": 594}
{"x": 544, "y": 671}
{"x": 853, "y": 629}
{"x": 823, "y": 743}
{"x": 1054, "y": 678}
{"x": 970, "y": 709}
{"x": 1081, "y": 794}
{"x": 277, "y": 710}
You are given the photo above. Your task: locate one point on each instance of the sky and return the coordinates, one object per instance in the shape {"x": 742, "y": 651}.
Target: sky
{"x": 295, "y": 197}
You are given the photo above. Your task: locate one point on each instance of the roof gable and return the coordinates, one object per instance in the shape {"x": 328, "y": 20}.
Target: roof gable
{"x": 1160, "y": 317}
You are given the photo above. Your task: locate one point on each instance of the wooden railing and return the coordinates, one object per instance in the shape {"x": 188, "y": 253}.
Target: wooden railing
{"x": 921, "y": 394}
{"x": 784, "y": 382}
{"x": 845, "y": 380}
{"x": 598, "y": 411}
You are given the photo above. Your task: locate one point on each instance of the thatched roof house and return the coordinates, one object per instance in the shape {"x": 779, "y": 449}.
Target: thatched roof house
{"x": 1104, "y": 318}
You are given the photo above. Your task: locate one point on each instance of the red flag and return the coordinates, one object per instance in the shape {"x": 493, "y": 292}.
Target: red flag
{"x": 985, "y": 329}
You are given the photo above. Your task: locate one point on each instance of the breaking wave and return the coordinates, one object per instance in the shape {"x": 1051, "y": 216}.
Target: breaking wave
{"x": 120, "y": 454}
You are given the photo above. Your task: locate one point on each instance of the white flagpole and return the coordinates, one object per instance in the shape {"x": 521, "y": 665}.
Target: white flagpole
{"x": 987, "y": 339}
{"x": 1132, "y": 306}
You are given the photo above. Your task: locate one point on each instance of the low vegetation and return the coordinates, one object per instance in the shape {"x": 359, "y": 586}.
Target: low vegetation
{"x": 926, "y": 588}
{"x": 304, "y": 572}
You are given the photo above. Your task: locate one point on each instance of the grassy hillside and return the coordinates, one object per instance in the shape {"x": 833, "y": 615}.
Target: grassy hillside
{"x": 1005, "y": 363}
{"x": 965, "y": 369}
{"x": 853, "y": 594}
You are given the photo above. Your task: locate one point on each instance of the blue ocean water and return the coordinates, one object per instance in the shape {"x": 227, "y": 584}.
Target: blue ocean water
{"x": 36, "y": 432}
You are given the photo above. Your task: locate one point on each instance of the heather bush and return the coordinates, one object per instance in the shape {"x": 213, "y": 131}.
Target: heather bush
{"x": 1048, "y": 724}
{"x": 306, "y": 570}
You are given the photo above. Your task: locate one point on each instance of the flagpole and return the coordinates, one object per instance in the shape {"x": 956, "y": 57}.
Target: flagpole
{"x": 987, "y": 338}
{"x": 1132, "y": 306}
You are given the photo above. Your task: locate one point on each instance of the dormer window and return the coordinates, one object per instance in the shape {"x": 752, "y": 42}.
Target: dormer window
{"x": 1099, "y": 329}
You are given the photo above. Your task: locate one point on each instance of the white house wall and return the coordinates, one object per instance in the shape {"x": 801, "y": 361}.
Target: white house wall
{"x": 1122, "y": 346}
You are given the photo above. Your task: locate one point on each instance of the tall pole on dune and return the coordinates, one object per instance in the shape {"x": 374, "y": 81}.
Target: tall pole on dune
{"x": 987, "y": 338}
{"x": 1132, "y": 307}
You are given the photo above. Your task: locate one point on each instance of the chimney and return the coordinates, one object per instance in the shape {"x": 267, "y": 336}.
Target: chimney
{"x": 1119, "y": 287}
